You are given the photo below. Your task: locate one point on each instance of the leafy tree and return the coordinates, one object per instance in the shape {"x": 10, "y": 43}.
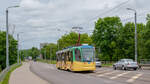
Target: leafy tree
{"x": 146, "y": 40}
{"x": 72, "y": 38}
{"x": 12, "y": 49}
{"x": 148, "y": 17}
{"x": 49, "y": 51}
{"x": 35, "y": 52}
{"x": 126, "y": 41}
{"x": 105, "y": 36}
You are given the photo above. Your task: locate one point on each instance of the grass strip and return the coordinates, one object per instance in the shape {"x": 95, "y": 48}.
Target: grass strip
{"x": 47, "y": 61}
{"x": 7, "y": 76}
{"x": 107, "y": 65}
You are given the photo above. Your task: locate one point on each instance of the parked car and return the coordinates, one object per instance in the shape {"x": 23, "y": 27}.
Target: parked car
{"x": 125, "y": 64}
{"x": 98, "y": 63}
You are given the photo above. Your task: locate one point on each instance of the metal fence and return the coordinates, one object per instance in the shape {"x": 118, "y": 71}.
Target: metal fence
{"x": 107, "y": 62}
{"x": 4, "y": 72}
{"x": 145, "y": 61}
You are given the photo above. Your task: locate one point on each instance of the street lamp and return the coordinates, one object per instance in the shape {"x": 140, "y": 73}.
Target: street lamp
{"x": 7, "y": 33}
{"x": 58, "y": 38}
{"x": 135, "y": 37}
{"x": 18, "y": 48}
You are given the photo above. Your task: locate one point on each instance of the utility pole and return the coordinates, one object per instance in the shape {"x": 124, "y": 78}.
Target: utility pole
{"x": 45, "y": 54}
{"x": 7, "y": 35}
{"x": 58, "y": 45}
{"x": 20, "y": 53}
{"x": 7, "y": 43}
{"x": 51, "y": 58}
{"x": 18, "y": 49}
{"x": 58, "y": 39}
{"x": 135, "y": 36}
{"x": 50, "y": 54}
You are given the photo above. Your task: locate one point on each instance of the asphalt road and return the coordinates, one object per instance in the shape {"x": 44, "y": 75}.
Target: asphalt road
{"x": 49, "y": 73}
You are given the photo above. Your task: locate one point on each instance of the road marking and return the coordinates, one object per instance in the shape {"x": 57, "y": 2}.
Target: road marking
{"x": 102, "y": 71}
{"x": 134, "y": 78}
{"x": 51, "y": 67}
{"x": 114, "y": 77}
{"x": 107, "y": 73}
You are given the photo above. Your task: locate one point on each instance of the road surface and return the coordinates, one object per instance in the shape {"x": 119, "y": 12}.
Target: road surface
{"x": 100, "y": 76}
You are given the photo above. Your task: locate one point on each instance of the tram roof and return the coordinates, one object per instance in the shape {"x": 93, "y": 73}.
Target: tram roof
{"x": 67, "y": 49}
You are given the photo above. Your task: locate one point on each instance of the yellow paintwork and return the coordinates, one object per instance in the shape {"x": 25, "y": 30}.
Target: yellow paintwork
{"x": 76, "y": 66}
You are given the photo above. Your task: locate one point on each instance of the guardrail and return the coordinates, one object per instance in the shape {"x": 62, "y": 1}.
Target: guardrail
{"x": 145, "y": 61}
{"x": 107, "y": 62}
{"x": 144, "y": 64}
{"x": 3, "y": 73}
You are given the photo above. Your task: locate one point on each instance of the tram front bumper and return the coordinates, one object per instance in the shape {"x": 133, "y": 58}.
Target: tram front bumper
{"x": 83, "y": 68}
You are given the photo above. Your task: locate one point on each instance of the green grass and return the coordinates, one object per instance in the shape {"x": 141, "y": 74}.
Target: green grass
{"x": 47, "y": 61}
{"x": 7, "y": 76}
{"x": 107, "y": 65}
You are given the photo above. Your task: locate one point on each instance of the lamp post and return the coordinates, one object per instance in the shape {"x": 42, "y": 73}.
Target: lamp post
{"x": 58, "y": 39}
{"x": 7, "y": 40}
{"x": 18, "y": 52}
{"x": 135, "y": 37}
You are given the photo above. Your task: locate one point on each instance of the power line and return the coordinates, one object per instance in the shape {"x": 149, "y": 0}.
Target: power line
{"x": 139, "y": 15}
{"x": 106, "y": 12}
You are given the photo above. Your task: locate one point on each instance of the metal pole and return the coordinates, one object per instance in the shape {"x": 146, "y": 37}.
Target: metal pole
{"x": 50, "y": 54}
{"x": 18, "y": 49}
{"x": 20, "y": 56}
{"x": 45, "y": 54}
{"x": 7, "y": 41}
{"x": 135, "y": 38}
{"x": 58, "y": 44}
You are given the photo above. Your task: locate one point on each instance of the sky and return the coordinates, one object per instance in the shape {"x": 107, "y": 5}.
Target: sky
{"x": 38, "y": 21}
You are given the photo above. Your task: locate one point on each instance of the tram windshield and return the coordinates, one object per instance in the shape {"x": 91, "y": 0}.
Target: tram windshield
{"x": 88, "y": 54}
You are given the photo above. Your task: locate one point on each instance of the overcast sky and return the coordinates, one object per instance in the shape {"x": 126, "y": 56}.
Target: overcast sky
{"x": 41, "y": 19}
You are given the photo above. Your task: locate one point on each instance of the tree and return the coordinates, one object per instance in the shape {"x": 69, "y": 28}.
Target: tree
{"x": 146, "y": 40}
{"x": 72, "y": 38}
{"x": 126, "y": 41}
{"x": 148, "y": 17}
{"x": 105, "y": 36}
{"x": 35, "y": 52}
{"x": 12, "y": 49}
{"x": 49, "y": 51}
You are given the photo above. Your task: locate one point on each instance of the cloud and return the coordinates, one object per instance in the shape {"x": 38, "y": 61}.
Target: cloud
{"x": 40, "y": 19}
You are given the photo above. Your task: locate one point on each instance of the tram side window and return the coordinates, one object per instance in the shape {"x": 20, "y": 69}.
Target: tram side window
{"x": 63, "y": 56}
{"x": 57, "y": 57}
{"x": 78, "y": 55}
{"x": 70, "y": 56}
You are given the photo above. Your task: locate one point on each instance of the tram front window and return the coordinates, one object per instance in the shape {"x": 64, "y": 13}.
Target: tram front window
{"x": 78, "y": 55}
{"x": 88, "y": 54}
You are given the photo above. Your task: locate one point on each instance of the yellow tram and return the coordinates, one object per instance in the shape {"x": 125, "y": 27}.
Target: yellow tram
{"x": 79, "y": 58}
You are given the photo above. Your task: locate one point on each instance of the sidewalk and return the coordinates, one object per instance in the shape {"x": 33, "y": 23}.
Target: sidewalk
{"x": 23, "y": 75}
